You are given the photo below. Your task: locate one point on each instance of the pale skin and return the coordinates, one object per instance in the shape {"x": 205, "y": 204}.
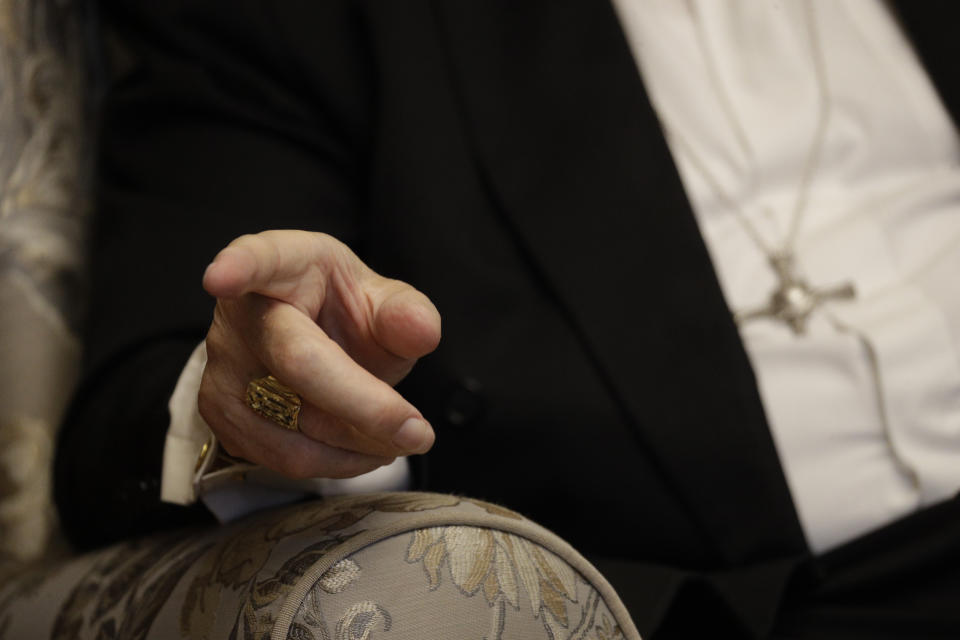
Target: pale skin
{"x": 303, "y": 307}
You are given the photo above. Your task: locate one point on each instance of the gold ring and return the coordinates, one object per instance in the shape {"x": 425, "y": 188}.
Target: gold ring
{"x": 275, "y": 401}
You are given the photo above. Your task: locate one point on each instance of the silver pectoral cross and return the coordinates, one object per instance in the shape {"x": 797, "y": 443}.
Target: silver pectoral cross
{"x": 793, "y": 300}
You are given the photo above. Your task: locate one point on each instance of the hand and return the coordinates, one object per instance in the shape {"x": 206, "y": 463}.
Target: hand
{"x": 303, "y": 307}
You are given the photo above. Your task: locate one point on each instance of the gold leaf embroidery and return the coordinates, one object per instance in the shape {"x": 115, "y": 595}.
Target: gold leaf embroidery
{"x": 554, "y": 602}
{"x": 554, "y": 574}
{"x": 497, "y": 564}
{"x": 420, "y": 543}
{"x": 527, "y": 570}
{"x": 491, "y": 588}
{"x": 432, "y": 562}
{"x": 506, "y": 577}
{"x": 470, "y": 554}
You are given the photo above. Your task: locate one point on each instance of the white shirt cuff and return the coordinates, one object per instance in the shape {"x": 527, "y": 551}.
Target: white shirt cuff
{"x": 261, "y": 488}
{"x": 186, "y": 434}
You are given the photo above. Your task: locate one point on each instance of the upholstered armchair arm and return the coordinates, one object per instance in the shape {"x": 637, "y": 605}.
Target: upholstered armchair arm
{"x": 397, "y": 565}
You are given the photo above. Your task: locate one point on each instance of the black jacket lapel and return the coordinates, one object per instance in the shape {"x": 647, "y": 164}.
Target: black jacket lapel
{"x": 571, "y": 146}
{"x": 932, "y": 27}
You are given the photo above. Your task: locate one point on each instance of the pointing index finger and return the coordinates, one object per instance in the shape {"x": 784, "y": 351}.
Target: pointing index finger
{"x": 299, "y": 353}
{"x": 286, "y": 265}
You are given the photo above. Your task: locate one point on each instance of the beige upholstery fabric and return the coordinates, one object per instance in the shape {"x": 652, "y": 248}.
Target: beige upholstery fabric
{"x": 404, "y": 565}
{"x": 452, "y": 582}
{"x": 42, "y": 215}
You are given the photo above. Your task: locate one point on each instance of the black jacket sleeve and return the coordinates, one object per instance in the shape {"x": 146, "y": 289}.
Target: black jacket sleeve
{"x": 217, "y": 119}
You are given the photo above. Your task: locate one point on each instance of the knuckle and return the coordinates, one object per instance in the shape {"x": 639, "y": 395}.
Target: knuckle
{"x": 316, "y": 424}
{"x": 382, "y": 419}
{"x": 295, "y": 356}
{"x": 328, "y": 242}
{"x": 244, "y": 239}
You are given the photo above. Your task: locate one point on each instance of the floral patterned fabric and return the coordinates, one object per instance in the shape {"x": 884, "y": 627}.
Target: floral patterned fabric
{"x": 43, "y": 218}
{"x": 460, "y": 582}
{"x": 401, "y": 565}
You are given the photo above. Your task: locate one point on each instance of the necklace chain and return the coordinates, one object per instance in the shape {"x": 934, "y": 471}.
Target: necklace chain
{"x": 793, "y": 300}
{"x": 786, "y": 247}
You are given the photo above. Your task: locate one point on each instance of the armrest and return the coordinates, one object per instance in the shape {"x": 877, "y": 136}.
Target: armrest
{"x": 415, "y": 565}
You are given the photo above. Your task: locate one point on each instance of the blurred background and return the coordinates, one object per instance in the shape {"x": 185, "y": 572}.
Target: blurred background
{"x": 43, "y": 208}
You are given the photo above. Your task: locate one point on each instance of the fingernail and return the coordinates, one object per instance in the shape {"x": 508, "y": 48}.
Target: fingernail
{"x": 414, "y": 436}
